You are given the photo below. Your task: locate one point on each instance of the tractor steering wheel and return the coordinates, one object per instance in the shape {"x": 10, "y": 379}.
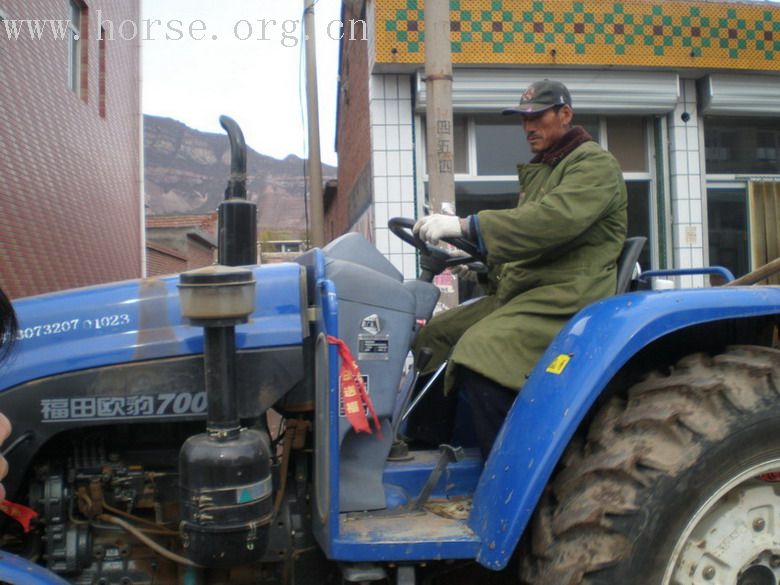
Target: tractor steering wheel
{"x": 432, "y": 257}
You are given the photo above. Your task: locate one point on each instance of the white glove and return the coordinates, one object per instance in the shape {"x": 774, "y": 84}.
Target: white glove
{"x": 463, "y": 271}
{"x": 433, "y": 228}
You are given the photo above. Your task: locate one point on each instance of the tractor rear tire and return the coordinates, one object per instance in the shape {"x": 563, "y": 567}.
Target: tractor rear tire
{"x": 674, "y": 484}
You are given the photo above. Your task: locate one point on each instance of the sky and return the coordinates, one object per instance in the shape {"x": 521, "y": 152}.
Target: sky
{"x": 241, "y": 58}
{"x": 252, "y": 71}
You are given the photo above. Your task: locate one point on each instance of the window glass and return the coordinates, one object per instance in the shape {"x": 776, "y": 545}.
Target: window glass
{"x": 728, "y": 232}
{"x": 474, "y": 196}
{"x": 626, "y": 139}
{"x": 742, "y": 145}
{"x": 461, "y": 145}
{"x": 501, "y": 144}
{"x": 590, "y": 123}
{"x": 639, "y": 218}
{"x": 74, "y": 47}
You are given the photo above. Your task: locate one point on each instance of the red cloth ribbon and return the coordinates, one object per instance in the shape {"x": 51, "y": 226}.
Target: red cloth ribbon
{"x": 22, "y": 514}
{"x": 354, "y": 396}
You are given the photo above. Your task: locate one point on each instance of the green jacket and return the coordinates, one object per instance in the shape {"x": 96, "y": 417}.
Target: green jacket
{"x": 567, "y": 230}
{"x": 549, "y": 257}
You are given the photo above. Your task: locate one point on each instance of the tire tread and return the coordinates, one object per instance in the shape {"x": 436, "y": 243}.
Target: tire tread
{"x": 659, "y": 430}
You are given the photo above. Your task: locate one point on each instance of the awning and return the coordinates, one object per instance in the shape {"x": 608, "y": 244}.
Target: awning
{"x": 741, "y": 95}
{"x": 596, "y": 92}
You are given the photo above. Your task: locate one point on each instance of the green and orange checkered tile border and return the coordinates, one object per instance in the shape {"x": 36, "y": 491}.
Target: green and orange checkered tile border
{"x": 661, "y": 33}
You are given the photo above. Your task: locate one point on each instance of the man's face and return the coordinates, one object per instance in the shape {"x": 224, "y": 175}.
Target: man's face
{"x": 544, "y": 129}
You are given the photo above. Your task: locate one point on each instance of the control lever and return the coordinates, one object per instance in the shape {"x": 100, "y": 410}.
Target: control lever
{"x": 449, "y": 454}
{"x": 400, "y": 450}
{"x": 423, "y": 392}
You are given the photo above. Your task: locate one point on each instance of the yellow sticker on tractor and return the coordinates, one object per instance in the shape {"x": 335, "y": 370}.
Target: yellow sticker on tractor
{"x": 559, "y": 364}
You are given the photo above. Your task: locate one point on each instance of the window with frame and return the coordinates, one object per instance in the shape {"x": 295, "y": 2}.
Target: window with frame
{"x": 743, "y": 145}
{"x": 742, "y": 161}
{"x": 77, "y": 49}
{"x": 727, "y": 213}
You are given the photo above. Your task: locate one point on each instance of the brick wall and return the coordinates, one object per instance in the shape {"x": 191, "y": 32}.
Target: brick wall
{"x": 161, "y": 261}
{"x": 354, "y": 135}
{"x": 69, "y": 178}
{"x": 199, "y": 254}
{"x": 190, "y": 237}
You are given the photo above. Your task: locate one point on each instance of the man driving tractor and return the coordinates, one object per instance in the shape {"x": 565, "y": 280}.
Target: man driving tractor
{"x": 547, "y": 258}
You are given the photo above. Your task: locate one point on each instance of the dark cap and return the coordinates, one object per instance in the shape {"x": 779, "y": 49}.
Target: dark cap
{"x": 540, "y": 96}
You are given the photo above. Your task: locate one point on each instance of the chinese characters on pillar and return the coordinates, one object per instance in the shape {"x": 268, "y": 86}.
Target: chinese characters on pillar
{"x": 444, "y": 145}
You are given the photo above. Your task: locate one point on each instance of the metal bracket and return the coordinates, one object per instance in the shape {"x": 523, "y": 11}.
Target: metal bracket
{"x": 449, "y": 454}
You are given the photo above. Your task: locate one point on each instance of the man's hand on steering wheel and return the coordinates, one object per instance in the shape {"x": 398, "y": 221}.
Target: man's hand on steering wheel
{"x": 433, "y": 228}
{"x": 404, "y": 228}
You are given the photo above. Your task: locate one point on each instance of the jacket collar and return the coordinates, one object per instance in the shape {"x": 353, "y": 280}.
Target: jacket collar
{"x": 563, "y": 148}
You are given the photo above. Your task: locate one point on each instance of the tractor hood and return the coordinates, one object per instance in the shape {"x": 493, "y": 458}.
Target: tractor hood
{"x": 141, "y": 320}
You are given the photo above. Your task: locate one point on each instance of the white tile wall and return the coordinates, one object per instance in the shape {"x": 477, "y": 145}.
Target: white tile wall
{"x": 379, "y": 137}
{"x": 687, "y": 185}
{"x": 393, "y": 137}
{"x": 377, "y": 110}
{"x": 682, "y": 212}
{"x": 391, "y": 111}
{"x": 393, "y": 163}
{"x": 380, "y": 163}
{"x": 392, "y": 150}
{"x": 380, "y": 191}
{"x": 394, "y": 189}
{"x": 391, "y": 86}
{"x": 696, "y": 215}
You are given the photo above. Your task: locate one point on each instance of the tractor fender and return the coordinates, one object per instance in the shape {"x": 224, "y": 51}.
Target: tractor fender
{"x": 566, "y": 382}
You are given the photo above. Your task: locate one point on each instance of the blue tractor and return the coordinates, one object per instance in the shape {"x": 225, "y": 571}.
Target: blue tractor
{"x": 198, "y": 429}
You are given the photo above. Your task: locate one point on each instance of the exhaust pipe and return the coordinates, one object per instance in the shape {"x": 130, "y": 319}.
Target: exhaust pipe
{"x": 237, "y": 217}
{"x": 225, "y": 473}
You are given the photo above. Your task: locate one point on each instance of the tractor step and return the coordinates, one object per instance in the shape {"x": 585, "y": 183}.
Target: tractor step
{"x": 439, "y": 530}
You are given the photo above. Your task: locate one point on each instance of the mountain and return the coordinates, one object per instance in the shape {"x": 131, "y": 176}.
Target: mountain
{"x": 186, "y": 172}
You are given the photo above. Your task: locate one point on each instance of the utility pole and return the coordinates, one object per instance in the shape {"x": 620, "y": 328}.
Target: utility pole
{"x": 439, "y": 126}
{"x": 316, "y": 207}
{"x": 438, "y": 86}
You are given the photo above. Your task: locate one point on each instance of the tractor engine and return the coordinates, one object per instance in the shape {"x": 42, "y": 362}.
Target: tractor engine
{"x": 87, "y": 500}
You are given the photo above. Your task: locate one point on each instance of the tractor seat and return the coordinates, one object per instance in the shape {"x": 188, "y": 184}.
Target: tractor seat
{"x": 626, "y": 263}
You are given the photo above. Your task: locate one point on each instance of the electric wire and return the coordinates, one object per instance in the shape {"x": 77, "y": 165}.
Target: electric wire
{"x": 289, "y": 435}
{"x": 157, "y": 528}
{"x": 152, "y": 527}
{"x": 155, "y": 546}
{"x": 18, "y": 441}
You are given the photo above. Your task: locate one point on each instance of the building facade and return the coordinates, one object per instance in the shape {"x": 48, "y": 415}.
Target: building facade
{"x": 685, "y": 94}
{"x": 176, "y": 243}
{"x": 70, "y": 144}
